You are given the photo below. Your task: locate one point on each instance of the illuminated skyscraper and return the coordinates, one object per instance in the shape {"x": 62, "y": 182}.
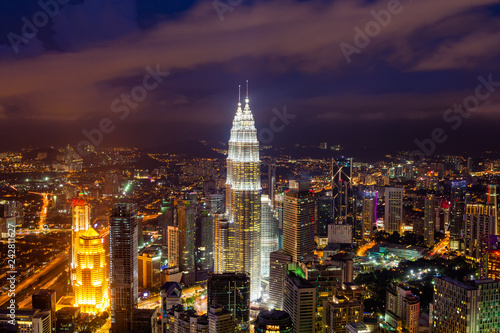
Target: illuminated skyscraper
{"x": 369, "y": 214}
{"x": 223, "y": 253}
{"x": 480, "y": 222}
{"x": 124, "y": 270}
{"x": 81, "y": 222}
{"x": 429, "y": 220}
{"x": 393, "y": 220}
{"x": 186, "y": 214}
{"x": 91, "y": 285}
{"x": 298, "y": 221}
{"x": 269, "y": 239}
{"x": 243, "y": 191}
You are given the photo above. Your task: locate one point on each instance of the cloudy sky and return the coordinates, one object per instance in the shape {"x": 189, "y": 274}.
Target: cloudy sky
{"x": 64, "y": 77}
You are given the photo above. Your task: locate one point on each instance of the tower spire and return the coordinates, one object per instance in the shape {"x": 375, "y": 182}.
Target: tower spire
{"x": 247, "y": 107}
{"x": 247, "y": 89}
{"x": 239, "y": 94}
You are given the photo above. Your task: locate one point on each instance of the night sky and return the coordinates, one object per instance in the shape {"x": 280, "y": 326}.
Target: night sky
{"x": 426, "y": 57}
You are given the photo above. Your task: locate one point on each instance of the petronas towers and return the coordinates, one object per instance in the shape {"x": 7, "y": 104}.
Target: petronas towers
{"x": 243, "y": 197}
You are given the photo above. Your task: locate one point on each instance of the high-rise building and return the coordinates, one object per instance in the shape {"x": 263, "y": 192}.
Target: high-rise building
{"x": 393, "y": 219}
{"x": 493, "y": 258}
{"x": 457, "y": 211}
{"x": 243, "y": 191}
{"x": 91, "y": 284}
{"x": 173, "y": 246}
{"x": 325, "y": 215}
{"x": 342, "y": 190}
{"x": 271, "y": 181}
{"x": 402, "y": 309}
{"x": 166, "y": 219}
{"x": 232, "y": 291}
{"x": 299, "y": 300}
{"x": 298, "y": 221}
{"x": 223, "y": 252}
{"x": 145, "y": 321}
{"x": 45, "y": 299}
{"x": 171, "y": 295}
{"x": 81, "y": 222}
{"x": 149, "y": 267}
{"x": 25, "y": 321}
{"x": 269, "y": 235}
{"x": 112, "y": 185}
{"x": 220, "y": 320}
{"x": 465, "y": 306}
{"x": 179, "y": 320}
{"x": 123, "y": 268}
{"x": 369, "y": 213}
{"x": 429, "y": 220}
{"x": 273, "y": 321}
{"x": 325, "y": 277}
{"x": 186, "y": 214}
{"x": 480, "y": 222}
{"x": 340, "y": 311}
{"x": 277, "y": 260}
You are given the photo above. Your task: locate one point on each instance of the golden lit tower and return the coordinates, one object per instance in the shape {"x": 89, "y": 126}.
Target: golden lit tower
{"x": 81, "y": 222}
{"x": 91, "y": 285}
{"x": 243, "y": 193}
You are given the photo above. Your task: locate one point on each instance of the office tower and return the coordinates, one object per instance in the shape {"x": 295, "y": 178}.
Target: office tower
{"x": 124, "y": 270}
{"x": 344, "y": 261}
{"x": 173, "y": 249}
{"x": 145, "y": 321}
{"x": 299, "y": 300}
{"x": 216, "y": 203}
{"x": 340, "y": 234}
{"x": 339, "y": 312}
{"x": 269, "y": 236}
{"x": 273, "y": 321}
{"x": 298, "y": 221}
{"x": 232, "y": 291}
{"x": 220, "y": 320}
{"x": 480, "y": 222}
{"x": 402, "y": 309}
{"x": 429, "y": 220}
{"x": 457, "y": 211}
{"x": 393, "y": 220}
{"x": 171, "y": 295}
{"x": 492, "y": 264}
{"x": 112, "y": 185}
{"x": 271, "y": 181}
{"x": 140, "y": 229}
{"x": 243, "y": 192}
{"x": 45, "y": 299}
{"x": 179, "y": 320}
{"x": 81, "y": 222}
{"x": 277, "y": 261}
{"x": 492, "y": 199}
{"x": 342, "y": 190}
{"x": 369, "y": 213}
{"x": 149, "y": 267}
{"x": 91, "y": 284}
{"x": 325, "y": 215}
{"x": 325, "y": 278}
{"x": 470, "y": 306}
{"x": 186, "y": 221}
{"x": 25, "y": 321}
{"x": 205, "y": 240}
{"x": 67, "y": 319}
{"x": 166, "y": 219}
{"x": 223, "y": 252}
{"x": 279, "y": 201}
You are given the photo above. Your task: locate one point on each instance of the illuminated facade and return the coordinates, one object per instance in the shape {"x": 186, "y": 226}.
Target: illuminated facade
{"x": 81, "y": 222}
{"x": 393, "y": 220}
{"x": 480, "y": 222}
{"x": 369, "y": 214}
{"x": 91, "y": 284}
{"x": 243, "y": 195}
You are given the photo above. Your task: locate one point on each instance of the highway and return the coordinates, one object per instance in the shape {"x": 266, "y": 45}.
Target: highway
{"x": 440, "y": 248}
{"x": 35, "y": 277}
